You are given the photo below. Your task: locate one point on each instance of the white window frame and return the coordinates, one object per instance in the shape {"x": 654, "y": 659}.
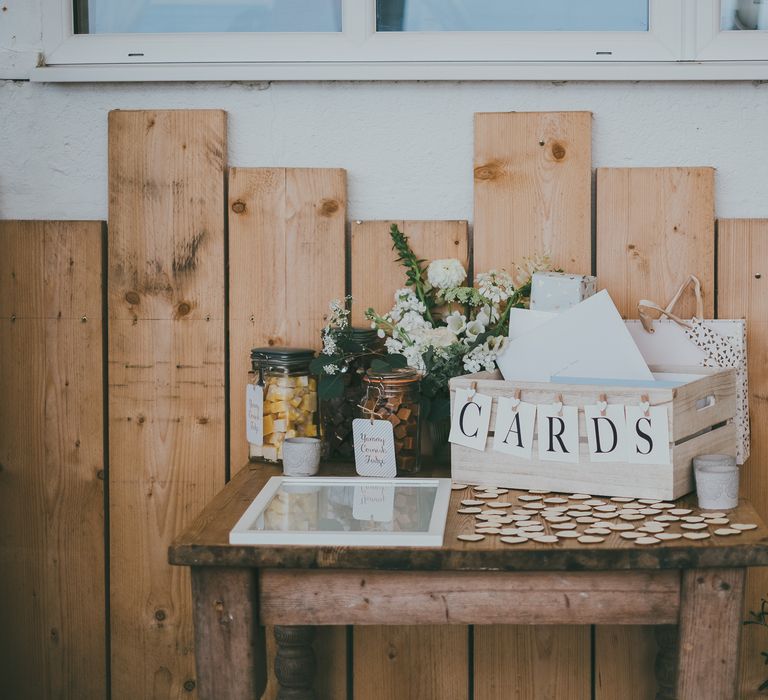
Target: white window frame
{"x": 668, "y": 51}
{"x": 714, "y": 44}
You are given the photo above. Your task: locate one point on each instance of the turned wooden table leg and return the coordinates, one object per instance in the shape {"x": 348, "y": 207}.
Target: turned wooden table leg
{"x": 710, "y": 623}
{"x": 666, "y": 661}
{"x": 230, "y": 649}
{"x": 295, "y": 662}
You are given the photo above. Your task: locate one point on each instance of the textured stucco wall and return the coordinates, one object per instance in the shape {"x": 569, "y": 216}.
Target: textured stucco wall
{"x": 407, "y": 146}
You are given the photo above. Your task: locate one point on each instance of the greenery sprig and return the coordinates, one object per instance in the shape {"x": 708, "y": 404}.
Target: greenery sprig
{"x": 415, "y": 272}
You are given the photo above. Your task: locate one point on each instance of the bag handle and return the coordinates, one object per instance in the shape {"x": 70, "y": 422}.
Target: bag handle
{"x": 644, "y": 306}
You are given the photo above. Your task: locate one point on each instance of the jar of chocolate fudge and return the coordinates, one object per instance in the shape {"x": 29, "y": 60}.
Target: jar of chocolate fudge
{"x": 290, "y": 398}
{"x": 395, "y": 396}
{"x": 336, "y": 414}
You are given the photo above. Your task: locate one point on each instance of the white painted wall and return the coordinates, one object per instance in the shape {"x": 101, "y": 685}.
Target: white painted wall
{"x": 407, "y": 147}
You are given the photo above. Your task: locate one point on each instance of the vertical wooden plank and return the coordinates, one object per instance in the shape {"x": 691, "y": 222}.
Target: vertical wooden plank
{"x": 286, "y": 263}
{"x": 654, "y": 227}
{"x": 533, "y": 195}
{"x": 166, "y": 379}
{"x": 742, "y": 293}
{"x": 372, "y": 246}
{"x": 405, "y": 662}
{"x": 52, "y": 593}
{"x": 533, "y": 188}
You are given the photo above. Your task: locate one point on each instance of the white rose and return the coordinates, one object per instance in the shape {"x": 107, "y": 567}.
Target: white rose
{"x": 456, "y": 322}
{"x": 439, "y": 337}
{"x": 474, "y": 329}
{"x": 444, "y": 274}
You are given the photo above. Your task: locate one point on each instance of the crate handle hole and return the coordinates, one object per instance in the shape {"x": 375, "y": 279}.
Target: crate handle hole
{"x": 705, "y": 403}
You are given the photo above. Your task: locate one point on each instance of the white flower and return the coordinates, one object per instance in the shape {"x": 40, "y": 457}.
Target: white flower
{"x": 329, "y": 344}
{"x": 456, "y": 322}
{"x": 495, "y": 285}
{"x": 393, "y": 346}
{"x": 438, "y": 337}
{"x": 474, "y": 329}
{"x": 412, "y": 321}
{"x": 484, "y": 356}
{"x": 447, "y": 273}
{"x": 381, "y": 333}
{"x": 331, "y": 369}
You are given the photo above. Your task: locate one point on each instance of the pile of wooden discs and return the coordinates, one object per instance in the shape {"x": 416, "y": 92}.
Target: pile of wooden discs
{"x": 545, "y": 517}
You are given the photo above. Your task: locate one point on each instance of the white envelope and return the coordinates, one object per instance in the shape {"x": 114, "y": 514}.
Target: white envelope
{"x": 521, "y": 321}
{"x": 588, "y": 340}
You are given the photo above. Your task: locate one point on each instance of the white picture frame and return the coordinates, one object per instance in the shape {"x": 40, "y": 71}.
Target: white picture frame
{"x": 251, "y": 527}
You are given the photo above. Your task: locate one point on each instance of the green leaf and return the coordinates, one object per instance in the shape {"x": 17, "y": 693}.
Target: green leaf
{"x": 380, "y": 365}
{"x": 330, "y": 386}
{"x": 441, "y": 409}
{"x": 397, "y": 361}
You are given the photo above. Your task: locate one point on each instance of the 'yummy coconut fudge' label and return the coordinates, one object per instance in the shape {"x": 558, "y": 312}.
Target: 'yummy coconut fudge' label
{"x": 374, "y": 447}
{"x": 254, "y": 414}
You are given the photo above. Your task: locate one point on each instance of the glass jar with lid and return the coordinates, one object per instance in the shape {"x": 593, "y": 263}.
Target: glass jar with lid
{"x": 337, "y": 413}
{"x": 395, "y": 396}
{"x": 290, "y": 398}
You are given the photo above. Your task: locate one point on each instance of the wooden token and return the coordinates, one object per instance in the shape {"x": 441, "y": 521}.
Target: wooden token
{"x": 723, "y": 531}
{"x": 632, "y": 516}
{"x": 532, "y": 528}
{"x": 622, "y": 499}
{"x": 552, "y": 511}
{"x": 498, "y": 504}
{"x": 528, "y": 498}
{"x": 507, "y": 531}
{"x": 522, "y": 511}
{"x": 663, "y": 505}
{"x": 468, "y": 511}
{"x": 597, "y": 531}
{"x": 606, "y": 508}
{"x": 579, "y": 507}
{"x": 668, "y": 536}
{"x": 718, "y": 521}
{"x": 647, "y": 540}
{"x": 557, "y": 519}
{"x": 744, "y": 526}
{"x": 488, "y": 530}
{"x": 693, "y": 526}
{"x": 539, "y": 492}
{"x": 696, "y": 535}
{"x": 591, "y": 539}
{"x": 692, "y": 519}
{"x": 649, "y": 501}
{"x": 649, "y": 511}
{"x": 564, "y": 526}
{"x": 459, "y": 487}
{"x": 556, "y": 499}
{"x": 666, "y": 518}
{"x": 586, "y": 519}
{"x": 488, "y": 495}
{"x": 470, "y": 538}
{"x": 502, "y": 491}
{"x": 578, "y": 513}
{"x": 633, "y": 535}
{"x": 594, "y": 502}
{"x": 680, "y": 511}
{"x": 621, "y": 527}
{"x": 714, "y": 514}
{"x": 493, "y": 511}
{"x": 629, "y": 511}
{"x": 472, "y": 502}
{"x": 605, "y": 516}
{"x": 505, "y": 520}
{"x": 580, "y": 496}
{"x": 650, "y": 529}
{"x": 569, "y": 534}
{"x": 535, "y": 506}
{"x": 513, "y": 540}
{"x": 545, "y": 539}
{"x": 519, "y": 518}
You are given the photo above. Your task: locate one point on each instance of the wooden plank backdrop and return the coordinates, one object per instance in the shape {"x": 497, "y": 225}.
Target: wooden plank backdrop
{"x": 52, "y": 591}
{"x": 166, "y": 380}
{"x": 414, "y": 661}
{"x": 286, "y": 263}
{"x": 533, "y": 178}
{"x": 654, "y": 227}
{"x": 742, "y": 279}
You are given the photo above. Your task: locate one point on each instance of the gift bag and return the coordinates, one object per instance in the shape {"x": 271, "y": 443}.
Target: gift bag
{"x": 670, "y": 340}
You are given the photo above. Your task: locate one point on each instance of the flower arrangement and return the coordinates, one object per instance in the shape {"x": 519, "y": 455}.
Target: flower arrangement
{"x": 445, "y": 329}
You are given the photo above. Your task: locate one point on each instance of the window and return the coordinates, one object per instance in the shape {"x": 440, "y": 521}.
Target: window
{"x": 402, "y": 39}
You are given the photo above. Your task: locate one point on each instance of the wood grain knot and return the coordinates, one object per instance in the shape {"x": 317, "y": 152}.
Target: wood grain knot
{"x": 328, "y": 207}
{"x": 132, "y": 298}
{"x": 160, "y": 615}
{"x": 189, "y": 685}
{"x": 183, "y": 309}
{"x": 489, "y": 171}
{"x": 558, "y": 151}
{"x": 140, "y": 420}
{"x": 238, "y": 207}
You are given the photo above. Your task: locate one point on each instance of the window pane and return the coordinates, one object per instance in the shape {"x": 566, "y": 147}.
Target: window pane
{"x": 744, "y": 14}
{"x": 511, "y": 15}
{"x": 171, "y": 16}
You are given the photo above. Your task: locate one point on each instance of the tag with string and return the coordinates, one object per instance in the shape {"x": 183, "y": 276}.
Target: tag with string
{"x": 373, "y": 440}
{"x": 470, "y": 418}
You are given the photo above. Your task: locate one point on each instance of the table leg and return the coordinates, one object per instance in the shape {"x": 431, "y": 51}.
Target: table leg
{"x": 710, "y": 624}
{"x": 295, "y": 662}
{"x": 666, "y": 661}
{"x": 230, "y": 649}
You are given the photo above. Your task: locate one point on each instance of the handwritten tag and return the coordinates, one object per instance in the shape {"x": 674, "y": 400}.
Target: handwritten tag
{"x": 648, "y": 435}
{"x": 254, "y": 414}
{"x": 375, "y": 503}
{"x": 374, "y": 447}
{"x": 515, "y": 423}
{"x": 606, "y": 433}
{"x": 470, "y": 419}
{"x": 558, "y": 429}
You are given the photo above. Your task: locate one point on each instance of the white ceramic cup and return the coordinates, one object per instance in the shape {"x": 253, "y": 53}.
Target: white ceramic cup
{"x": 717, "y": 481}
{"x": 301, "y": 456}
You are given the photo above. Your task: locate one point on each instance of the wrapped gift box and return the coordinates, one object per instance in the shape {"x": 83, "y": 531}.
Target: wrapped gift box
{"x": 557, "y": 291}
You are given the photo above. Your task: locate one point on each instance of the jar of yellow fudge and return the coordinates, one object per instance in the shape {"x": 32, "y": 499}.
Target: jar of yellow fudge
{"x": 395, "y": 396}
{"x": 290, "y": 398}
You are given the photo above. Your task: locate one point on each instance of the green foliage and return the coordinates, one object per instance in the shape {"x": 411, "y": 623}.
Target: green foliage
{"x": 388, "y": 362}
{"x": 415, "y": 272}
{"x": 760, "y": 618}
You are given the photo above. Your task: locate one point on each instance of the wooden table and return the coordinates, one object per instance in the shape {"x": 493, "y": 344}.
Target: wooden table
{"x": 693, "y": 591}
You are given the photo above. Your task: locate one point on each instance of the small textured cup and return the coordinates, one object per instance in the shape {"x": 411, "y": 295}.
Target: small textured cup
{"x": 717, "y": 481}
{"x": 301, "y": 456}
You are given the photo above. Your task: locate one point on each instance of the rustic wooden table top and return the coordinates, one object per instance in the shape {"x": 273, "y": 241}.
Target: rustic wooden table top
{"x": 206, "y": 541}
